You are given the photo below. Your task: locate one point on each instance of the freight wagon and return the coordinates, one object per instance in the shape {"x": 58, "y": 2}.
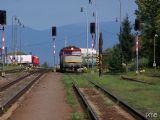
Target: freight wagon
{"x": 22, "y": 59}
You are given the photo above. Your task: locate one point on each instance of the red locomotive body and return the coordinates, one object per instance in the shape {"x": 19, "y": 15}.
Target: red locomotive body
{"x": 35, "y": 60}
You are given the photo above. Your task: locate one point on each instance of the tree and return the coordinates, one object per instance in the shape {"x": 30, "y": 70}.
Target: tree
{"x": 149, "y": 14}
{"x": 126, "y": 40}
{"x": 45, "y": 65}
{"x": 121, "y": 52}
{"x": 114, "y": 59}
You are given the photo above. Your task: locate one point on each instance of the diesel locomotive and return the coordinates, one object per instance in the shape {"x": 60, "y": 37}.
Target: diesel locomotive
{"x": 70, "y": 58}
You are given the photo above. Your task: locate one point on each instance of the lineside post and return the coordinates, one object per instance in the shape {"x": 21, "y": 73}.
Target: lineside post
{"x": 100, "y": 53}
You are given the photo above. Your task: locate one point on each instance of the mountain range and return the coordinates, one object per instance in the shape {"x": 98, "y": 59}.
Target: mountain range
{"x": 40, "y": 42}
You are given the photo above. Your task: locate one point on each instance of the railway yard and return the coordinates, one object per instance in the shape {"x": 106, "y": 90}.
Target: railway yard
{"x": 37, "y": 94}
{"x": 59, "y": 66}
{"x": 111, "y": 97}
{"x": 45, "y": 95}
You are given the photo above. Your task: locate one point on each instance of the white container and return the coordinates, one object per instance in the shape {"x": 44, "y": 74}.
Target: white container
{"x": 25, "y": 59}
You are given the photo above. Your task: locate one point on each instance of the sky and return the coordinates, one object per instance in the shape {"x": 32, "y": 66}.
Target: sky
{"x": 43, "y": 14}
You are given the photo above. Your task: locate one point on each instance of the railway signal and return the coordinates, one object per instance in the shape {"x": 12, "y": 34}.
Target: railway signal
{"x": 54, "y": 33}
{"x": 2, "y": 17}
{"x": 137, "y": 25}
{"x": 93, "y": 31}
{"x": 92, "y": 28}
{"x": 3, "y": 23}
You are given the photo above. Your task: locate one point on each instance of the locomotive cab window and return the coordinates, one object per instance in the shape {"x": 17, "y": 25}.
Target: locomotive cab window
{"x": 72, "y": 52}
{"x": 67, "y": 52}
{"x": 76, "y": 52}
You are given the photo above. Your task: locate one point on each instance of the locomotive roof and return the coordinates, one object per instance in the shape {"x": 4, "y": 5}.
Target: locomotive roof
{"x": 70, "y": 48}
{"x": 35, "y": 56}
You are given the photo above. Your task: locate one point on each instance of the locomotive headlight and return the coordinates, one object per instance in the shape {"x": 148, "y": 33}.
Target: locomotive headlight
{"x": 71, "y": 48}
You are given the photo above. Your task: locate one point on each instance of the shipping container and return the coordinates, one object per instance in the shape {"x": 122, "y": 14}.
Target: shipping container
{"x": 24, "y": 59}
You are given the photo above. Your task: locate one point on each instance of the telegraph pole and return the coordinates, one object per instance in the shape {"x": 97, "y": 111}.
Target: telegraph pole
{"x": 14, "y": 37}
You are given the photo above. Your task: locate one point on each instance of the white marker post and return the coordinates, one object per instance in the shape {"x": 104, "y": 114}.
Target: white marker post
{"x": 137, "y": 44}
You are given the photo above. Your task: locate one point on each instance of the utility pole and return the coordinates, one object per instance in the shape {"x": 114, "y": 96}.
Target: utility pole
{"x": 14, "y": 38}
{"x": 82, "y": 10}
{"x": 120, "y": 29}
{"x": 20, "y": 37}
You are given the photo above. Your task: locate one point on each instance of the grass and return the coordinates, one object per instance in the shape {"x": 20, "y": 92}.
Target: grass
{"x": 9, "y": 67}
{"x": 149, "y": 76}
{"x": 143, "y": 97}
{"x": 69, "y": 93}
{"x": 77, "y": 116}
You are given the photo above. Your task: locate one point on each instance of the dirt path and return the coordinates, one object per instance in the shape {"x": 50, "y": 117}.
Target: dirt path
{"x": 46, "y": 101}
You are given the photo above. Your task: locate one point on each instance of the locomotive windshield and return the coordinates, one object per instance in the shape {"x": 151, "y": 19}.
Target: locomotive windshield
{"x": 76, "y": 53}
{"x": 72, "y": 52}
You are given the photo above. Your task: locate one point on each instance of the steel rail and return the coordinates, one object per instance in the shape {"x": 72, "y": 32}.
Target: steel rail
{"x": 12, "y": 100}
{"x": 91, "y": 113}
{"x": 131, "y": 110}
{"x": 4, "y": 87}
{"x": 135, "y": 80}
{"x": 14, "y": 70}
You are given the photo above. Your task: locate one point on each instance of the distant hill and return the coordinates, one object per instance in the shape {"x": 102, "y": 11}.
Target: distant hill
{"x": 40, "y": 42}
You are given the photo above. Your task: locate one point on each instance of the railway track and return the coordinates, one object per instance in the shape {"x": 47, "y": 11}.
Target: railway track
{"x": 15, "y": 70}
{"x": 92, "y": 115}
{"x": 133, "y": 114}
{"x": 4, "y": 87}
{"x": 125, "y": 106}
{"x": 135, "y": 80}
{"x": 10, "y": 83}
{"x": 12, "y": 91}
